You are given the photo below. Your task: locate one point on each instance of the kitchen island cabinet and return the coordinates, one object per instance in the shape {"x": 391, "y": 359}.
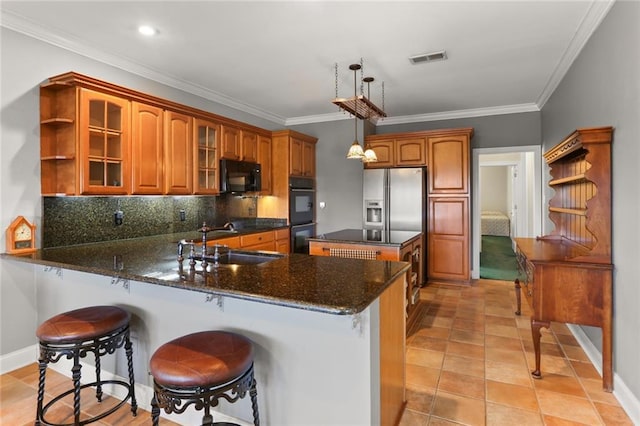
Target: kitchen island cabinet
{"x": 405, "y": 246}
{"x": 328, "y": 332}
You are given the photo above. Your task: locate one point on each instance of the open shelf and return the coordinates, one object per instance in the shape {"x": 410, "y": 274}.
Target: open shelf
{"x": 578, "y": 212}
{"x": 568, "y": 179}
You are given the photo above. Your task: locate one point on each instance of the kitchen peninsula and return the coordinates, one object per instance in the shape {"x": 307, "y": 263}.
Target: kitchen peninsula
{"x": 328, "y": 332}
{"x": 378, "y": 244}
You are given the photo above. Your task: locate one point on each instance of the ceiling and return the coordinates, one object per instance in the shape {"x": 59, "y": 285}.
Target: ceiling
{"x": 277, "y": 59}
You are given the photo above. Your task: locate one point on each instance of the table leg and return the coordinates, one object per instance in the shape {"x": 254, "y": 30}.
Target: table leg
{"x": 518, "y": 296}
{"x": 535, "y": 333}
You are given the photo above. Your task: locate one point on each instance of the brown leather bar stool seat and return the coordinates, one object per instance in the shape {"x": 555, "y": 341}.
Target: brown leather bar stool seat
{"x": 74, "y": 334}
{"x": 200, "y": 368}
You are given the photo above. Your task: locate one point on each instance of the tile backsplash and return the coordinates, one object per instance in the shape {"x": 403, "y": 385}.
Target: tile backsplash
{"x": 79, "y": 220}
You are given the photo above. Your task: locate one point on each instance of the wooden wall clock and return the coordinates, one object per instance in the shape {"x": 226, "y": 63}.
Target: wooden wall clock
{"x": 21, "y": 236}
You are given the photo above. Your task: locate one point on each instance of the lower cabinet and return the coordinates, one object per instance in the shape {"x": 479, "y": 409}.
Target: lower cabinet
{"x": 276, "y": 240}
{"x": 448, "y": 239}
{"x": 410, "y": 251}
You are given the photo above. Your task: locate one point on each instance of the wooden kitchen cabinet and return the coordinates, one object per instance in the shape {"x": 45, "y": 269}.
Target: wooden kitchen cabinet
{"x": 445, "y": 153}
{"x": 298, "y": 149}
{"x": 230, "y": 242}
{"x": 264, "y": 159}
{"x": 448, "y": 158}
{"x": 259, "y": 241}
{"x": 346, "y": 243}
{"x": 206, "y": 178}
{"x": 59, "y": 156}
{"x": 448, "y": 236}
{"x": 230, "y": 143}
{"x": 397, "y": 150}
{"x": 98, "y": 138}
{"x": 283, "y": 242}
{"x": 385, "y": 151}
{"x": 147, "y": 149}
{"x": 104, "y": 137}
{"x": 248, "y": 146}
{"x": 178, "y": 153}
{"x": 302, "y": 159}
{"x": 411, "y": 152}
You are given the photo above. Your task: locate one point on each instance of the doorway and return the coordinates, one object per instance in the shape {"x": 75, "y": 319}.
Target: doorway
{"x": 522, "y": 171}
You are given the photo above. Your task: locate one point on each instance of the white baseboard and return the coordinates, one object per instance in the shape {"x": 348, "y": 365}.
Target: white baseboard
{"x": 144, "y": 393}
{"x": 18, "y": 359}
{"x": 623, "y": 394}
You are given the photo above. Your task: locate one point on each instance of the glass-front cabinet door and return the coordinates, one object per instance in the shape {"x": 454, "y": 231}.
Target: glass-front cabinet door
{"x": 207, "y": 136}
{"x": 104, "y": 144}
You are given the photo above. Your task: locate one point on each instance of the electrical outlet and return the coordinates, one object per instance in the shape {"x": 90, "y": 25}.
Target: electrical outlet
{"x": 183, "y": 215}
{"x": 119, "y": 217}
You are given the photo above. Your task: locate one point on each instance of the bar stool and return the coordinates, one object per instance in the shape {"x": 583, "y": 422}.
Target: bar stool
{"x": 200, "y": 368}
{"x": 73, "y": 334}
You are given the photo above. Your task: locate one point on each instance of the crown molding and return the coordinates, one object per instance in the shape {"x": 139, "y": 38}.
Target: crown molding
{"x": 463, "y": 113}
{"x": 594, "y": 16}
{"x": 65, "y": 41}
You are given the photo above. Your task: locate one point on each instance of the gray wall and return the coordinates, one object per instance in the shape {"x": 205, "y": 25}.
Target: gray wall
{"x": 338, "y": 180}
{"x": 603, "y": 88}
{"x": 494, "y": 131}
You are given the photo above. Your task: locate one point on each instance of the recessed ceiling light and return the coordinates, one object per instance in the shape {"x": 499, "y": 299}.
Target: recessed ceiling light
{"x": 428, "y": 57}
{"x": 147, "y": 30}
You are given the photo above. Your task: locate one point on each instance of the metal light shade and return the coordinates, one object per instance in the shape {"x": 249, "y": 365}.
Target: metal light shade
{"x": 369, "y": 155}
{"x": 355, "y": 151}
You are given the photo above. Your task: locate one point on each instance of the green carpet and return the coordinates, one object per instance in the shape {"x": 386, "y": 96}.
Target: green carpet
{"x": 497, "y": 259}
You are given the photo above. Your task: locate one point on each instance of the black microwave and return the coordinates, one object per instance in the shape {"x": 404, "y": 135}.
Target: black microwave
{"x": 239, "y": 176}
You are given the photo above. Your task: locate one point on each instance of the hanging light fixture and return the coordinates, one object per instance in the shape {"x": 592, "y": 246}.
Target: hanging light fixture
{"x": 369, "y": 155}
{"x": 361, "y": 107}
{"x": 355, "y": 151}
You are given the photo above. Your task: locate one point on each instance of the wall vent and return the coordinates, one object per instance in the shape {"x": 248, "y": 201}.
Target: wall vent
{"x": 428, "y": 57}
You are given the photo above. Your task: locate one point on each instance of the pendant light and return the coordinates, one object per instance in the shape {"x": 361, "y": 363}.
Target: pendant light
{"x": 355, "y": 151}
{"x": 369, "y": 155}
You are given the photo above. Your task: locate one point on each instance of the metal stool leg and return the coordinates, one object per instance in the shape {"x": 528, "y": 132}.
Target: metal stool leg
{"x": 253, "y": 392}
{"x": 96, "y": 352}
{"x": 129, "y": 350}
{"x": 75, "y": 375}
{"x": 155, "y": 410}
{"x": 42, "y": 366}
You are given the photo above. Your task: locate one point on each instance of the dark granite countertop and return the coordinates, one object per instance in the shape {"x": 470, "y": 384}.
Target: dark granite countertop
{"x": 324, "y": 284}
{"x": 364, "y": 236}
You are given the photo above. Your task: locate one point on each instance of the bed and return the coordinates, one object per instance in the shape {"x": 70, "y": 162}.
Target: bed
{"x": 494, "y": 223}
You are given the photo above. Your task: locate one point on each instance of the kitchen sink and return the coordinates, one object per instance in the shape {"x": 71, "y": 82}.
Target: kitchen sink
{"x": 238, "y": 257}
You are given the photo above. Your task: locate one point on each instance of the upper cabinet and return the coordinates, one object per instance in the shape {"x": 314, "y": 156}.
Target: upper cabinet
{"x": 206, "y": 179}
{"x": 230, "y": 144}
{"x": 147, "y": 150}
{"x": 264, "y": 159}
{"x": 248, "y": 146}
{"x": 302, "y": 157}
{"x": 84, "y": 144}
{"x": 448, "y": 163}
{"x": 241, "y": 145}
{"x": 400, "y": 150}
{"x": 178, "y": 159}
{"x": 300, "y": 150}
{"x": 97, "y": 138}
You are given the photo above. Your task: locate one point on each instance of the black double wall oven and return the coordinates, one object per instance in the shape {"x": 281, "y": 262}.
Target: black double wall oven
{"x": 302, "y": 199}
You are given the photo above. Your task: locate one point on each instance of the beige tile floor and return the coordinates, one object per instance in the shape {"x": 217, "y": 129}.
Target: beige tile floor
{"x": 469, "y": 358}
{"x": 468, "y": 362}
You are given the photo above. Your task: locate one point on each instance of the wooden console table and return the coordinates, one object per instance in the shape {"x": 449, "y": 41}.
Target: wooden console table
{"x": 569, "y": 274}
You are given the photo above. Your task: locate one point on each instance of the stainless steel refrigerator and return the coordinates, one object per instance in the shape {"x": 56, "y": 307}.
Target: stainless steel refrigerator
{"x": 395, "y": 199}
